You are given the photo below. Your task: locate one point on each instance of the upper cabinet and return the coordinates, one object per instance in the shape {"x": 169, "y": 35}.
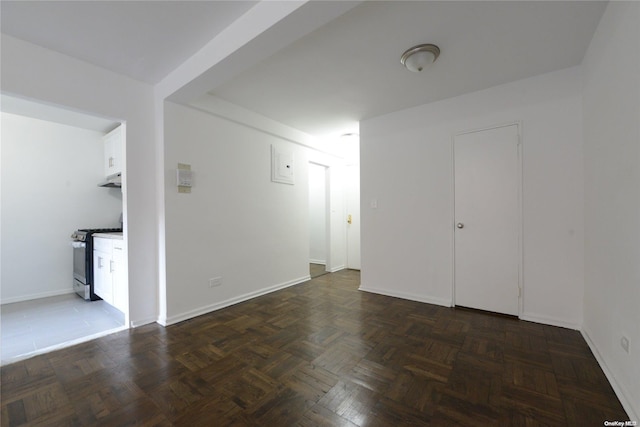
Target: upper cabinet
{"x": 113, "y": 152}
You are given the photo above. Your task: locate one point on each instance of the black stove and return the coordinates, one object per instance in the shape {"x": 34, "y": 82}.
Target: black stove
{"x": 83, "y": 234}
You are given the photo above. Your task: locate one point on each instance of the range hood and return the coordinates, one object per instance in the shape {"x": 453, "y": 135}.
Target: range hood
{"x": 112, "y": 181}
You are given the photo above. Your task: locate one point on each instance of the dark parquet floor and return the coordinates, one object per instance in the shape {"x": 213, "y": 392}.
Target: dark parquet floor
{"x": 318, "y": 354}
{"x": 316, "y": 270}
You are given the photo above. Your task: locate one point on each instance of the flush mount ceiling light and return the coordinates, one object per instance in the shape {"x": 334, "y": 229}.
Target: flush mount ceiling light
{"x": 420, "y": 56}
{"x": 351, "y": 135}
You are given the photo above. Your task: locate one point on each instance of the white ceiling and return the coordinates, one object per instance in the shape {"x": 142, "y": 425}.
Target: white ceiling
{"x": 350, "y": 69}
{"x": 328, "y": 80}
{"x": 141, "y": 39}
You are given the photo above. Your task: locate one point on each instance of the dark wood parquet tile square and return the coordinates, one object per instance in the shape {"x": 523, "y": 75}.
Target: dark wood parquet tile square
{"x": 319, "y": 416}
{"x": 318, "y": 354}
{"x": 213, "y": 411}
{"x": 388, "y": 412}
{"x": 311, "y": 381}
{"x": 372, "y": 375}
{"x": 420, "y": 395}
{"x": 351, "y": 401}
{"x": 282, "y": 408}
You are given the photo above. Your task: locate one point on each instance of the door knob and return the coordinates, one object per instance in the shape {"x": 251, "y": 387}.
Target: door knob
{"x": 460, "y": 225}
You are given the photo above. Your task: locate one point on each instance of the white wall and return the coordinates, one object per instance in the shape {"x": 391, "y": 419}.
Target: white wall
{"x": 406, "y": 165}
{"x": 37, "y": 73}
{"x": 611, "y": 109}
{"x": 50, "y": 174}
{"x": 317, "y": 214}
{"x": 236, "y": 223}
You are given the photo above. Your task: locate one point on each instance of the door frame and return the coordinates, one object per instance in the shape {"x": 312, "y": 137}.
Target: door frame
{"x": 327, "y": 212}
{"x": 519, "y": 176}
{"x": 347, "y": 205}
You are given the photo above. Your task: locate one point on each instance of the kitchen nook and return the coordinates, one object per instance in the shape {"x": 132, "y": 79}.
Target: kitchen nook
{"x": 61, "y": 171}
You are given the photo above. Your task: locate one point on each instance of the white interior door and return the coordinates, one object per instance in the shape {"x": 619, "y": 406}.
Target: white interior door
{"x": 353, "y": 216}
{"x": 487, "y": 219}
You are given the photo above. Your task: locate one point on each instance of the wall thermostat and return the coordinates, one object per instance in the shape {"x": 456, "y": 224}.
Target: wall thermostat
{"x": 184, "y": 177}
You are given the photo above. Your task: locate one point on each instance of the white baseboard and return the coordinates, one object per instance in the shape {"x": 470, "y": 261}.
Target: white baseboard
{"x": 318, "y": 261}
{"x": 552, "y": 321}
{"x": 37, "y": 296}
{"x": 166, "y": 321}
{"x": 623, "y": 395}
{"x": 338, "y": 268}
{"x": 141, "y": 322}
{"x": 412, "y": 297}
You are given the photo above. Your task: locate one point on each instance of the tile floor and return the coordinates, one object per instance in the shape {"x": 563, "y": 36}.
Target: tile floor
{"x": 28, "y": 328}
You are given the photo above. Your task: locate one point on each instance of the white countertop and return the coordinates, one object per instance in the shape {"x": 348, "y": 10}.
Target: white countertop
{"x": 109, "y": 235}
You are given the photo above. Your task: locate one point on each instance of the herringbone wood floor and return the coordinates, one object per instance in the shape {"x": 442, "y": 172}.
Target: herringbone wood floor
{"x": 319, "y": 354}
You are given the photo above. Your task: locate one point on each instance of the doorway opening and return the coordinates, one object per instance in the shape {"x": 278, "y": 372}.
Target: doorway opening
{"x": 353, "y": 215}
{"x": 318, "y": 219}
{"x": 40, "y": 310}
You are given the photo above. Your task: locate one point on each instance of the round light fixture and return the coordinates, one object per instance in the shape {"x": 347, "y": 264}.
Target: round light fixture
{"x": 420, "y": 56}
{"x": 351, "y": 135}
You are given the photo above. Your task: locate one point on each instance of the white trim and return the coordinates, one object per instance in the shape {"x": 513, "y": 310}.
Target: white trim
{"x": 621, "y": 392}
{"x": 37, "y": 296}
{"x": 329, "y": 171}
{"x": 318, "y": 261}
{"x": 491, "y": 127}
{"x": 546, "y": 320}
{"x": 408, "y": 296}
{"x": 142, "y": 322}
{"x": 521, "y": 219}
{"x": 162, "y": 320}
{"x": 166, "y": 321}
{"x": 338, "y": 268}
{"x": 452, "y": 224}
{"x": 327, "y": 211}
{"x": 228, "y": 111}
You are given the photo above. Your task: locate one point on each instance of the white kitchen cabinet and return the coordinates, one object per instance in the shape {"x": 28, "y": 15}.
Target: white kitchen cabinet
{"x": 109, "y": 271}
{"x": 120, "y": 288}
{"x": 113, "y": 152}
{"x": 102, "y": 269}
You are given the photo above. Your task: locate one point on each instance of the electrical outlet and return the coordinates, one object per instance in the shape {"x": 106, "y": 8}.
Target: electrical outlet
{"x": 624, "y": 343}
{"x": 215, "y": 282}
